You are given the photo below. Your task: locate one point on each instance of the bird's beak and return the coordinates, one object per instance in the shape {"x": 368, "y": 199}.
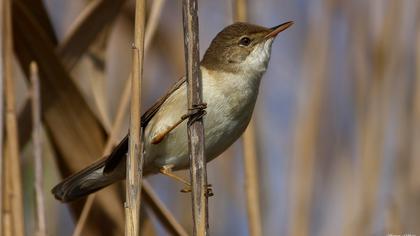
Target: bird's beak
{"x": 277, "y": 29}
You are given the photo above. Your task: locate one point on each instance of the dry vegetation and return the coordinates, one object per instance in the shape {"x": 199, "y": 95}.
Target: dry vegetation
{"x": 344, "y": 161}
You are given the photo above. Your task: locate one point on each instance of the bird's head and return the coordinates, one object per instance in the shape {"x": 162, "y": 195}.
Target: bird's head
{"x": 242, "y": 47}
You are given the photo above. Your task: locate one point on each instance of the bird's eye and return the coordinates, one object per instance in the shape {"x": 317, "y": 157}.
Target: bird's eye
{"x": 245, "y": 41}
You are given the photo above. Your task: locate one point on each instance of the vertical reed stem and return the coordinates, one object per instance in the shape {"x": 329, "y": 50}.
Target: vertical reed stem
{"x": 8, "y": 191}
{"x": 2, "y": 173}
{"x": 195, "y": 128}
{"x": 308, "y": 120}
{"x": 135, "y": 156}
{"x": 250, "y": 154}
{"x": 240, "y": 10}
{"x": 11, "y": 127}
{"x": 37, "y": 148}
{"x": 162, "y": 213}
{"x": 251, "y": 180}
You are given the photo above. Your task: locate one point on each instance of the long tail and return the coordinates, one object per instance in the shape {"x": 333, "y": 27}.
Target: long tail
{"x": 100, "y": 174}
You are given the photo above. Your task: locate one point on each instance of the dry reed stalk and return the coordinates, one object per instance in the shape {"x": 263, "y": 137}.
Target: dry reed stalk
{"x": 135, "y": 154}
{"x": 151, "y": 26}
{"x": 240, "y": 10}
{"x": 93, "y": 19}
{"x": 94, "y": 68}
{"x": 112, "y": 138}
{"x": 250, "y": 153}
{"x": 96, "y": 80}
{"x": 11, "y": 126}
{"x": 40, "y": 228}
{"x": 134, "y": 166}
{"x": 400, "y": 215}
{"x": 195, "y": 128}
{"x": 359, "y": 69}
{"x": 375, "y": 94}
{"x": 2, "y": 173}
{"x": 309, "y": 113}
{"x": 81, "y": 222}
{"x": 347, "y": 189}
{"x": 371, "y": 125}
{"x": 7, "y": 200}
{"x": 415, "y": 152}
{"x": 96, "y": 17}
{"x": 251, "y": 180}
{"x": 414, "y": 169}
{"x": 37, "y": 7}
{"x": 164, "y": 215}
{"x": 370, "y": 134}
{"x": 152, "y": 22}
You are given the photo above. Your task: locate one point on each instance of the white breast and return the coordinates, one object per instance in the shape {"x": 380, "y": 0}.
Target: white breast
{"x": 231, "y": 99}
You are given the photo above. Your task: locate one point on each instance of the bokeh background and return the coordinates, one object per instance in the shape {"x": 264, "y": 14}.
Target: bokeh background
{"x": 337, "y": 120}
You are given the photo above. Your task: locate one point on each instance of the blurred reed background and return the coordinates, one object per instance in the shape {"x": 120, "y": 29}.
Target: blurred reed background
{"x": 337, "y": 120}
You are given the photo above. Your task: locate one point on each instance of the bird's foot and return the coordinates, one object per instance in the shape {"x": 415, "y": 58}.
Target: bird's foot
{"x": 209, "y": 190}
{"x": 167, "y": 170}
{"x": 195, "y": 113}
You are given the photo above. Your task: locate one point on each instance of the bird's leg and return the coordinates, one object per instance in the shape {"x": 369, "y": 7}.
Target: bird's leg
{"x": 167, "y": 170}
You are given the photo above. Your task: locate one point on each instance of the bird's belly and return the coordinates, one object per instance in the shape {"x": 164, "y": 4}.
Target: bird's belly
{"x": 220, "y": 133}
{"x": 228, "y": 114}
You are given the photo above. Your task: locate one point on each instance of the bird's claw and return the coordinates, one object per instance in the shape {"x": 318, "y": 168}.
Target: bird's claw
{"x": 186, "y": 189}
{"x": 209, "y": 190}
{"x": 195, "y": 113}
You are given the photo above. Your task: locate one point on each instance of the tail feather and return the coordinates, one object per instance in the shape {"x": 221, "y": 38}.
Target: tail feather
{"x": 88, "y": 180}
{"x": 96, "y": 176}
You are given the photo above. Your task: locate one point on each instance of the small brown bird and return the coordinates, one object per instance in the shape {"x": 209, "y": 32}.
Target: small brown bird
{"x": 231, "y": 71}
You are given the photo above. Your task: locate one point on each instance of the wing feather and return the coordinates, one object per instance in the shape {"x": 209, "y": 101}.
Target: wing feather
{"x": 119, "y": 152}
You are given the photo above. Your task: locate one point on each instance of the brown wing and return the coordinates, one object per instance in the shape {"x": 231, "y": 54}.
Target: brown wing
{"x": 148, "y": 115}
{"x": 119, "y": 152}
